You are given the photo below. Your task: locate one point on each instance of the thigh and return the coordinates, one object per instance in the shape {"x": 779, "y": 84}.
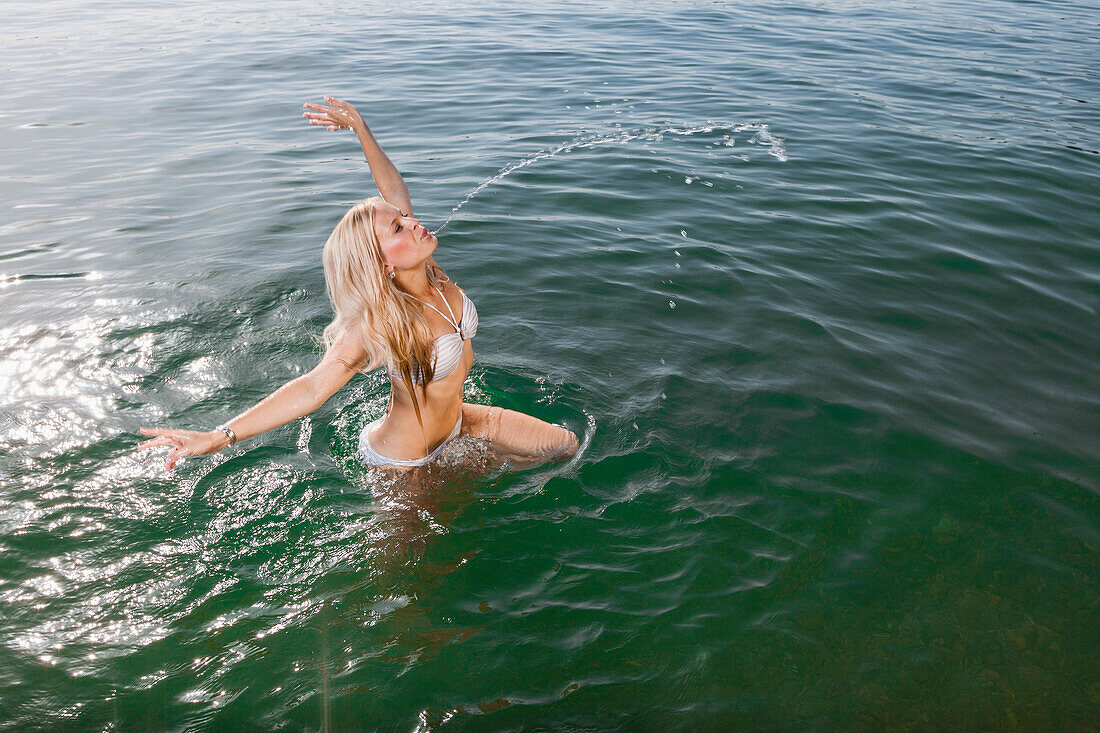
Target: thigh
{"x": 516, "y": 436}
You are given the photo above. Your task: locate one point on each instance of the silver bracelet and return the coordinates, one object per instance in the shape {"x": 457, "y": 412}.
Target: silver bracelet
{"x": 229, "y": 433}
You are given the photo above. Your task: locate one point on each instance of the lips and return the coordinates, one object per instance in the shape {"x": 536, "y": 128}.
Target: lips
{"x": 424, "y": 233}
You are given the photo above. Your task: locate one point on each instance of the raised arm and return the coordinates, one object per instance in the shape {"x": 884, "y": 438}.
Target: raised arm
{"x": 340, "y": 115}
{"x": 295, "y": 399}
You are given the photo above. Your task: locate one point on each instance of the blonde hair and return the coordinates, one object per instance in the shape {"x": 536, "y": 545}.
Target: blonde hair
{"x": 394, "y": 331}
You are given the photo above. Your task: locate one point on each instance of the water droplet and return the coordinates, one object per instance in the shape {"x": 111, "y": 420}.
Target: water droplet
{"x": 688, "y": 180}
{"x": 683, "y": 234}
{"x": 672, "y": 304}
{"x": 647, "y": 135}
{"x": 677, "y": 252}
{"x": 678, "y": 266}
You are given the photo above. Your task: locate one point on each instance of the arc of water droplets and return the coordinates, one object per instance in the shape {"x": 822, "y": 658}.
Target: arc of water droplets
{"x": 761, "y": 136}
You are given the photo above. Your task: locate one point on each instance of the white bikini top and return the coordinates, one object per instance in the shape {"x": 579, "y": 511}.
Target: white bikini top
{"x": 449, "y": 346}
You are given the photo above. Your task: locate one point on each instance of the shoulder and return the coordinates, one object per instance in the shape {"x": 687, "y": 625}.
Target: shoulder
{"x": 444, "y": 283}
{"x": 350, "y": 347}
{"x": 347, "y": 355}
{"x": 449, "y": 289}
{"x": 436, "y": 273}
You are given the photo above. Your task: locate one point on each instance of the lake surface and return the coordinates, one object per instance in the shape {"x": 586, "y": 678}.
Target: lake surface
{"x": 817, "y": 283}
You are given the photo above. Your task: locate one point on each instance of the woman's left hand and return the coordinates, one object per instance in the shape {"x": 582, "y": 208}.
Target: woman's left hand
{"x": 338, "y": 115}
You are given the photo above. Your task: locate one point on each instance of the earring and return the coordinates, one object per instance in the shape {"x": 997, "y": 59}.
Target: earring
{"x": 392, "y": 274}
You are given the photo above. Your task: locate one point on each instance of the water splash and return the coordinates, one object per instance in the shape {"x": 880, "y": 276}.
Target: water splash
{"x": 761, "y": 136}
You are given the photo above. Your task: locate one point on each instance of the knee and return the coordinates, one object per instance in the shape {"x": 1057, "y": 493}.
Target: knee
{"x": 494, "y": 422}
{"x": 571, "y": 444}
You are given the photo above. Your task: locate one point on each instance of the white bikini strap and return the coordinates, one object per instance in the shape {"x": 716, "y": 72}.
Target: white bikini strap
{"x": 452, "y": 320}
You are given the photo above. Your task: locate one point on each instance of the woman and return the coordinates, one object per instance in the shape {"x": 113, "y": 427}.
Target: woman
{"x": 394, "y": 307}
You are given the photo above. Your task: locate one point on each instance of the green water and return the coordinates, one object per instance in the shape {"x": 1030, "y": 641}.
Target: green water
{"x": 817, "y": 284}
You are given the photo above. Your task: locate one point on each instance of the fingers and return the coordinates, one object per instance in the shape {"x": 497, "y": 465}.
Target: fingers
{"x": 331, "y": 114}
{"x": 336, "y": 106}
{"x": 155, "y": 442}
{"x": 173, "y": 457}
{"x": 163, "y": 432}
{"x": 330, "y": 124}
{"x": 165, "y": 437}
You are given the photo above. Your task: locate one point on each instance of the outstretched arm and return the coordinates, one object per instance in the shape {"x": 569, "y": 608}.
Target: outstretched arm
{"x": 295, "y": 399}
{"x": 340, "y": 115}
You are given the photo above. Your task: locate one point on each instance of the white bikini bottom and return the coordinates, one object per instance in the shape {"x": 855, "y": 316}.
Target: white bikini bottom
{"x": 371, "y": 457}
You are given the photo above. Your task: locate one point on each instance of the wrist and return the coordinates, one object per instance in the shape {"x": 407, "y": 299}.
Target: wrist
{"x": 219, "y": 439}
{"x": 223, "y": 436}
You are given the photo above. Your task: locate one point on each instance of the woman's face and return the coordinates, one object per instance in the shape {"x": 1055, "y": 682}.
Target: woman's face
{"x": 404, "y": 242}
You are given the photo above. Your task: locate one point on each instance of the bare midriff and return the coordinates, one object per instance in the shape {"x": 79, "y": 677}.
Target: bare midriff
{"x": 399, "y": 434}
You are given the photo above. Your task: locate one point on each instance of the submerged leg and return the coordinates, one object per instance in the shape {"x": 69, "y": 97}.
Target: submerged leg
{"x": 522, "y": 440}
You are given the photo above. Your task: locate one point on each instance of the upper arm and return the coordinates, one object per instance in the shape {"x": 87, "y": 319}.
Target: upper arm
{"x": 339, "y": 365}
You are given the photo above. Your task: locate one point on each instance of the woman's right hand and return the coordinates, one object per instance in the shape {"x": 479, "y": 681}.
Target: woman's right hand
{"x": 184, "y": 443}
{"x": 338, "y": 115}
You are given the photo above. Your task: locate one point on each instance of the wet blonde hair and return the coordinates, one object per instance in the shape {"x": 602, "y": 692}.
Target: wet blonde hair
{"x": 394, "y": 330}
